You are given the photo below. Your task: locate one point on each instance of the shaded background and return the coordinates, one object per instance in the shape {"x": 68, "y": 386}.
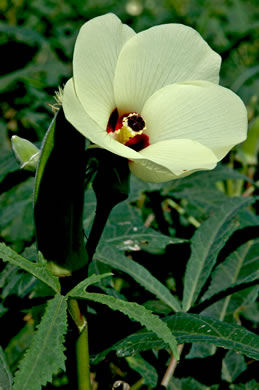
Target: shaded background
{"x": 36, "y": 46}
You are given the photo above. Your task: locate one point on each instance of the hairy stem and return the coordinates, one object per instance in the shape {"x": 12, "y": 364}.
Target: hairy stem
{"x": 82, "y": 348}
{"x": 83, "y": 361}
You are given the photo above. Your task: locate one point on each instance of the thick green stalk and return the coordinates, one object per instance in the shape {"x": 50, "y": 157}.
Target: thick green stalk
{"x": 82, "y": 348}
{"x": 83, "y": 361}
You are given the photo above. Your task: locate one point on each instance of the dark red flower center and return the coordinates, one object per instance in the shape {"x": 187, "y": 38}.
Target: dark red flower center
{"x": 128, "y": 129}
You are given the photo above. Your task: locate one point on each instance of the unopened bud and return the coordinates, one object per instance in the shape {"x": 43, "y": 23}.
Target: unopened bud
{"x": 26, "y": 153}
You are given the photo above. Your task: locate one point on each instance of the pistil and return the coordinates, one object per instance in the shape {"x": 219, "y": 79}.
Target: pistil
{"x": 128, "y": 130}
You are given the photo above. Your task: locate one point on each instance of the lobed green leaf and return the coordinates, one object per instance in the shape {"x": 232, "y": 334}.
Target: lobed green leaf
{"x": 109, "y": 255}
{"x": 241, "y": 266}
{"x": 133, "y": 311}
{"x": 206, "y": 244}
{"x": 45, "y": 356}
{"x": 87, "y": 282}
{"x": 229, "y": 308}
{"x": 39, "y": 270}
{"x": 189, "y": 328}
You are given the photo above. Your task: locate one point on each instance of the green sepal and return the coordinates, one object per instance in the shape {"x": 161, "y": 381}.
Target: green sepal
{"x": 59, "y": 197}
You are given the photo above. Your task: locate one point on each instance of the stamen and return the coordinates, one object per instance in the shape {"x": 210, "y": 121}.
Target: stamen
{"x": 135, "y": 122}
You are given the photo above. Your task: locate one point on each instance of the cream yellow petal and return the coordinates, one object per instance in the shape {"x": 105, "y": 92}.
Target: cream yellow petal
{"x": 159, "y": 56}
{"x": 200, "y": 111}
{"x": 179, "y": 156}
{"x": 168, "y": 160}
{"x": 96, "y": 52}
{"x": 151, "y": 172}
{"x": 79, "y": 118}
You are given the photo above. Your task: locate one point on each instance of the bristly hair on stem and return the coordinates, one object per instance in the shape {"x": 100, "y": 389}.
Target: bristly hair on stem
{"x": 58, "y": 97}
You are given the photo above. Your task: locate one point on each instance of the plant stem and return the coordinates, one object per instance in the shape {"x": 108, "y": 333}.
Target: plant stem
{"x": 83, "y": 361}
{"x": 138, "y": 384}
{"x": 82, "y": 348}
{"x": 171, "y": 368}
{"x": 193, "y": 221}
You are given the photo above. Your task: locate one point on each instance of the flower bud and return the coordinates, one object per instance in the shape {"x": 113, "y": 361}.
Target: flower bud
{"x": 26, "y": 153}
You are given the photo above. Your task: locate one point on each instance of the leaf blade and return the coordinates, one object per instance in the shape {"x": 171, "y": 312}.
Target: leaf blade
{"x": 134, "y": 311}
{"x": 189, "y": 328}
{"x": 88, "y": 282}
{"x": 207, "y": 241}
{"x": 41, "y": 361}
{"x": 36, "y": 269}
{"x": 140, "y": 274}
{"x": 241, "y": 266}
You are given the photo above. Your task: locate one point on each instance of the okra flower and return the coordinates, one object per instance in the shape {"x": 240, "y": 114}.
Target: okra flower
{"x": 153, "y": 98}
